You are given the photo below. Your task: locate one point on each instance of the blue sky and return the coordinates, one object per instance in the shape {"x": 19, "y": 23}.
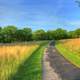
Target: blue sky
{"x": 45, "y": 14}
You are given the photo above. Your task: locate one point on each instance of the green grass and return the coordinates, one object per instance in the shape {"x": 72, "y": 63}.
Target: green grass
{"x": 10, "y": 63}
{"x": 31, "y": 69}
{"x": 70, "y": 56}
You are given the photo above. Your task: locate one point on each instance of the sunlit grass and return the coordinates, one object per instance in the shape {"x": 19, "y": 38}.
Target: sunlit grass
{"x": 70, "y": 49}
{"x": 11, "y": 56}
{"x": 31, "y": 69}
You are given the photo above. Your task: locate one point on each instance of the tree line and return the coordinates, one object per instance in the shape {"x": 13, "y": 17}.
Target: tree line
{"x": 10, "y": 34}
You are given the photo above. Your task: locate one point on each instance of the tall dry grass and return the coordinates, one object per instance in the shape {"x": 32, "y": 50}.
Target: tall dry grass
{"x": 11, "y": 56}
{"x": 73, "y": 45}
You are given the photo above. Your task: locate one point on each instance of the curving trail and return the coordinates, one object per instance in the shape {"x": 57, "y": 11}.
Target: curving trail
{"x": 56, "y": 67}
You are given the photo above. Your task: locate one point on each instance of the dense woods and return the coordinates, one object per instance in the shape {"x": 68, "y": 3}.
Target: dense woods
{"x": 13, "y": 34}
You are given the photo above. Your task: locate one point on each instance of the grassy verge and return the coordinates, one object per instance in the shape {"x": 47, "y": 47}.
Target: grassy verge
{"x": 31, "y": 69}
{"x": 70, "y": 56}
{"x": 12, "y": 56}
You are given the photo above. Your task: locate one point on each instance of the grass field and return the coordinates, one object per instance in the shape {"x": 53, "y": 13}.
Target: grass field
{"x": 70, "y": 49}
{"x": 31, "y": 69}
{"x": 12, "y": 56}
{"x": 21, "y": 61}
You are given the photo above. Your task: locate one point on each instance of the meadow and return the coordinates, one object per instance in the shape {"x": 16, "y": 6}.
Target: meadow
{"x": 70, "y": 49}
{"x": 31, "y": 69}
{"x": 12, "y": 56}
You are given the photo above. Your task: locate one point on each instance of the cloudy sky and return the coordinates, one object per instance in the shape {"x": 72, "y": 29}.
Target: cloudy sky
{"x": 45, "y": 14}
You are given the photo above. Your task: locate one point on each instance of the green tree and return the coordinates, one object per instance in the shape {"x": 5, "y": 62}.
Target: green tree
{"x": 1, "y": 35}
{"x": 27, "y": 33}
{"x": 71, "y": 34}
{"x": 77, "y": 33}
{"x": 8, "y": 33}
{"x": 51, "y": 34}
{"x": 19, "y": 35}
{"x": 39, "y": 35}
{"x": 24, "y": 34}
{"x": 61, "y": 34}
{"x": 57, "y": 34}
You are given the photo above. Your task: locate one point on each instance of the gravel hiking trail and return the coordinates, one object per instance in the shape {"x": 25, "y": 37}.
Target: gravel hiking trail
{"x": 56, "y": 67}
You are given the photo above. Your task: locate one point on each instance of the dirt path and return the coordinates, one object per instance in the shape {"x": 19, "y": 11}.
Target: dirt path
{"x": 55, "y": 67}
